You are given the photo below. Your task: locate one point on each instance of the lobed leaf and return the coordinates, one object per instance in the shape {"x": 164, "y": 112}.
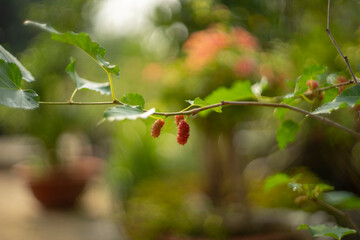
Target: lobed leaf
{"x": 286, "y": 133}
{"x": 123, "y": 112}
{"x": 11, "y": 94}
{"x": 134, "y": 99}
{"x": 81, "y": 83}
{"x": 322, "y": 230}
{"x": 81, "y": 40}
{"x": 8, "y": 57}
{"x": 349, "y": 97}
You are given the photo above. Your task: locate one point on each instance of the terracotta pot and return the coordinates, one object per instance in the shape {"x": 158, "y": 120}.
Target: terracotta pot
{"x": 59, "y": 188}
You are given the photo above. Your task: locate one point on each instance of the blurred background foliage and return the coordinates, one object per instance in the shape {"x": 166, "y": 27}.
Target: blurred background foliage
{"x": 182, "y": 50}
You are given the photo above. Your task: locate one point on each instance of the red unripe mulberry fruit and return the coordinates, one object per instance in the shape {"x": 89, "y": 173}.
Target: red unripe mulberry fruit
{"x": 156, "y": 128}
{"x": 312, "y": 84}
{"x": 183, "y": 132}
{"x": 178, "y": 119}
{"x": 341, "y": 79}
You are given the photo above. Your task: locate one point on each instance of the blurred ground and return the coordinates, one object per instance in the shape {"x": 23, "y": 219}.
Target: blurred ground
{"x": 21, "y": 217}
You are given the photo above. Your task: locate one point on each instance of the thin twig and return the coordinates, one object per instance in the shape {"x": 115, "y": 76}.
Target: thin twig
{"x": 78, "y": 103}
{"x": 225, "y": 103}
{"x": 335, "y": 44}
{"x": 339, "y": 212}
{"x": 329, "y": 87}
{"x": 309, "y": 93}
{"x": 263, "y": 104}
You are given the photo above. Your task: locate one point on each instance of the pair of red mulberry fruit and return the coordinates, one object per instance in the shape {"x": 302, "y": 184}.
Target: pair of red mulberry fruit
{"x": 183, "y": 129}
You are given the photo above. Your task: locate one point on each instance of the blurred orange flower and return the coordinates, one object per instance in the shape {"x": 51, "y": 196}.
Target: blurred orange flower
{"x": 203, "y": 46}
{"x": 244, "y": 39}
{"x": 244, "y": 67}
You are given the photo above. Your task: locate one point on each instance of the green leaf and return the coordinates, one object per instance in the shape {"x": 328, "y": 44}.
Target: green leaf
{"x": 330, "y": 95}
{"x": 11, "y": 94}
{"x": 322, "y": 230}
{"x": 349, "y": 97}
{"x": 10, "y": 75}
{"x": 280, "y": 112}
{"x": 134, "y": 99}
{"x": 311, "y": 72}
{"x": 8, "y": 57}
{"x": 276, "y": 180}
{"x": 198, "y": 102}
{"x": 286, "y": 133}
{"x": 81, "y": 83}
{"x": 123, "y": 112}
{"x": 322, "y": 187}
{"x": 240, "y": 90}
{"x": 81, "y": 40}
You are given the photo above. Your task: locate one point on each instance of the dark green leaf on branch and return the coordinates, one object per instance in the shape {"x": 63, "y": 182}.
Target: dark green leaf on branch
{"x": 349, "y": 97}
{"x": 84, "y": 84}
{"x": 123, "y": 112}
{"x": 8, "y": 57}
{"x": 81, "y": 40}
{"x": 286, "y": 133}
{"x": 11, "y": 94}
{"x": 322, "y": 230}
{"x": 133, "y": 99}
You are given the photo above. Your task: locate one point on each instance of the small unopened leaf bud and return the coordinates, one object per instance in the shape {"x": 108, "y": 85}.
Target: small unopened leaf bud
{"x": 301, "y": 199}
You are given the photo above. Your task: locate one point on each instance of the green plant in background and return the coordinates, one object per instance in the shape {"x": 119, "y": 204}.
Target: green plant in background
{"x": 324, "y": 197}
{"x": 313, "y": 93}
